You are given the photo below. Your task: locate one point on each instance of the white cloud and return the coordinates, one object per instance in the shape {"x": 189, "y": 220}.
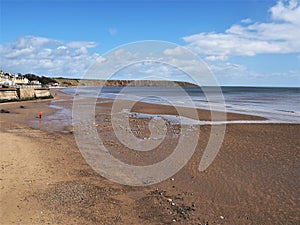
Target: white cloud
{"x": 112, "y": 31}
{"x": 247, "y": 20}
{"x": 216, "y": 57}
{"x": 79, "y": 44}
{"x": 148, "y": 70}
{"x": 279, "y": 36}
{"x": 46, "y": 56}
{"x": 134, "y": 61}
{"x": 229, "y": 73}
{"x": 176, "y": 52}
{"x": 286, "y": 12}
{"x": 228, "y": 69}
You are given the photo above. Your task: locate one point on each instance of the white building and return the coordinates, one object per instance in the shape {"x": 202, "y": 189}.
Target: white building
{"x": 35, "y": 82}
{"x": 20, "y": 81}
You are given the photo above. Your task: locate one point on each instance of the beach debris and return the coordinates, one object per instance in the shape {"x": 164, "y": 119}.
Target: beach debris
{"x": 22, "y": 106}
{"x": 4, "y": 111}
{"x": 107, "y": 120}
{"x": 170, "y": 205}
{"x": 172, "y": 179}
{"x": 222, "y": 217}
{"x": 40, "y": 114}
{"x": 68, "y": 129}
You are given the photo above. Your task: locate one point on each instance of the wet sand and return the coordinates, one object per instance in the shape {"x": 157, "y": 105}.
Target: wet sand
{"x": 45, "y": 180}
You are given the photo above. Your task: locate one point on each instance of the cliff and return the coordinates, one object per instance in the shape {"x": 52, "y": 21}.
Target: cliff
{"x": 64, "y": 82}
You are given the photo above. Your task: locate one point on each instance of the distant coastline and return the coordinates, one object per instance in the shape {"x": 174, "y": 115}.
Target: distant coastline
{"x": 15, "y": 80}
{"x": 68, "y": 82}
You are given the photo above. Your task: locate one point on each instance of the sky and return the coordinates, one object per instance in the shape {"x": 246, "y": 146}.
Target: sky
{"x": 243, "y": 42}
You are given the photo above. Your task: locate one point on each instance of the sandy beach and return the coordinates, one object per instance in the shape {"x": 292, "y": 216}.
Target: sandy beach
{"x": 45, "y": 180}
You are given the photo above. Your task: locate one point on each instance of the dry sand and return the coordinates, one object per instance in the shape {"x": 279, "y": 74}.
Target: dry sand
{"x": 45, "y": 180}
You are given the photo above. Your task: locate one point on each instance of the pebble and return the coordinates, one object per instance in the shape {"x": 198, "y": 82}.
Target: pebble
{"x": 222, "y": 217}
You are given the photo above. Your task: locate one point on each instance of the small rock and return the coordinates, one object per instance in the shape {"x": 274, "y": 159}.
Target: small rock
{"x": 4, "y": 111}
{"x": 22, "y": 106}
{"x": 222, "y": 217}
{"x": 170, "y": 200}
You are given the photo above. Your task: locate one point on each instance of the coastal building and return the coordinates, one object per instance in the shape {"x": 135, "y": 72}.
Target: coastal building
{"x": 5, "y": 82}
{"x": 10, "y": 79}
{"x": 20, "y": 80}
{"x": 35, "y": 82}
{"x": 5, "y": 79}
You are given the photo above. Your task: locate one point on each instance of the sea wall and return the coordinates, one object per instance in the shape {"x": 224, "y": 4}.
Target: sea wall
{"x": 26, "y": 93}
{"x": 11, "y": 94}
{"x": 42, "y": 93}
{"x": 8, "y": 94}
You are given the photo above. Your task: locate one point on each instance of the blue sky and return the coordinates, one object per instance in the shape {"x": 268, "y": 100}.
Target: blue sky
{"x": 246, "y": 42}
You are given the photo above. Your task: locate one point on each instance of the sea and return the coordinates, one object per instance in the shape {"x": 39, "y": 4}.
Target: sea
{"x": 276, "y": 104}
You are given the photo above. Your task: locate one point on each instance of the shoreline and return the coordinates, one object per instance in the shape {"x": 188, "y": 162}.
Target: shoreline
{"x": 269, "y": 112}
{"x": 44, "y": 178}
